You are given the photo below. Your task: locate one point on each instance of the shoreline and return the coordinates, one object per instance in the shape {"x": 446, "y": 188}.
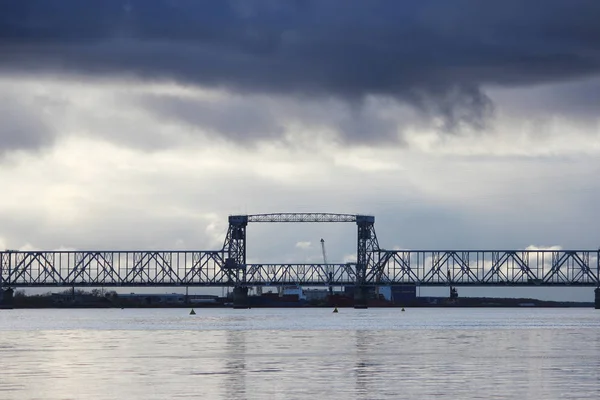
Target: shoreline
{"x": 196, "y": 307}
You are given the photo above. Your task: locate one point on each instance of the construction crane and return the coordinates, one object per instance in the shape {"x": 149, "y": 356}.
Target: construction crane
{"x": 327, "y": 267}
{"x": 324, "y": 252}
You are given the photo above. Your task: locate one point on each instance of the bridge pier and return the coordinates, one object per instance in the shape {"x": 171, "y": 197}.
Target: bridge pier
{"x": 6, "y": 298}
{"x": 240, "y": 297}
{"x": 453, "y": 293}
{"x": 597, "y": 298}
{"x": 360, "y": 297}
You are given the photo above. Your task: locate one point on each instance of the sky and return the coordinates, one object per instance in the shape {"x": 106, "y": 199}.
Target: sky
{"x": 144, "y": 124}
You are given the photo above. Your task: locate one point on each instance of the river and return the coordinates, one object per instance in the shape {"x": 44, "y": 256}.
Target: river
{"x": 300, "y": 354}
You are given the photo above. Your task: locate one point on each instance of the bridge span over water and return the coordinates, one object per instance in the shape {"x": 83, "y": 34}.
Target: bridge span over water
{"x": 227, "y": 266}
{"x": 208, "y": 268}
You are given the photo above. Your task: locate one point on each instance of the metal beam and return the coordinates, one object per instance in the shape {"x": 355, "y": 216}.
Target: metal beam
{"x": 302, "y": 217}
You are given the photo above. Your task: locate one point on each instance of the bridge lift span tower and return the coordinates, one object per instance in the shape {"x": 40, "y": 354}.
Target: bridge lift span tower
{"x": 367, "y": 249}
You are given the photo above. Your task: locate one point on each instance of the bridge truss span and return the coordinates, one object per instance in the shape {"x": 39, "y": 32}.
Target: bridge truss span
{"x": 489, "y": 267}
{"x": 209, "y": 268}
{"x": 228, "y": 266}
{"x": 111, "y": 268}
{"x": 300, "y": 274}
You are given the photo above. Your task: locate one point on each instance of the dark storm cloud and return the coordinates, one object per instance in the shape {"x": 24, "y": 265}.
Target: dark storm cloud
{"x": 432, "y": 54}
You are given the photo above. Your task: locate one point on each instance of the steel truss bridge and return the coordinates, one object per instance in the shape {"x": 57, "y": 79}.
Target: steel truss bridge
{"x": 227, "y": 266}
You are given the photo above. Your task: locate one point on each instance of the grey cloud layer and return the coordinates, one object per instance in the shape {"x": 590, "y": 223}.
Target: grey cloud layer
{"x": 21, "y": 127}
{"x": 340, "y": 47}
{"x": 246, "y": 119}
{"x": 432, "y": 54}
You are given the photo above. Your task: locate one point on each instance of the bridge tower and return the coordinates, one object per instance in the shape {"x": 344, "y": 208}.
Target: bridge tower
{"x": 597, "y": 290}
{"x": 235, "y": 263}
{"x": 367, "y": 255}
{"x": 235, "y": 267}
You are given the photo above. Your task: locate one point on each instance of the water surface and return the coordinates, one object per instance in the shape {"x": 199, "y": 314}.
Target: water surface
{"x": 300, "y": 353}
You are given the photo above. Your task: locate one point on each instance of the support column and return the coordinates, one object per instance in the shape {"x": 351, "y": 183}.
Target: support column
{"x": 453, "y": 293}
{"x": 6, "y": 298}
{"x": 360, "y": 297}
{"x": 597, "y": 298}
{"x": 366, "y": 247}
{"x": 240, "y": 297}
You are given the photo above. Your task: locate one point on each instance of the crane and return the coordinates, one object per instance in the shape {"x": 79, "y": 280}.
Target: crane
{"x": 324, "y": 252}
{"x": 327, "y": 267}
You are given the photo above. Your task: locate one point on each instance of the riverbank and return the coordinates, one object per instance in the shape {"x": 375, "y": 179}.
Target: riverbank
{"x": 417, "y": 303}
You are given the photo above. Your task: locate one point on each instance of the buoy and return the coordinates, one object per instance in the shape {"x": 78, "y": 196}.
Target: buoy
{"x": 402, "y": 309}
{"x": 335, "y": 310}
{"x": 192, "y": 312}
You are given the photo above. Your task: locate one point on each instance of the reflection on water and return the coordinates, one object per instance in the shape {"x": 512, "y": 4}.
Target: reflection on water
{"x": 365, "y": 366}
{"x": 235, "y": 361}
{"x": 300, "y": 354}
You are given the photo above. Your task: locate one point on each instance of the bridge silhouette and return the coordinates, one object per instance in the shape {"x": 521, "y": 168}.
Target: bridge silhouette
{"x": 227, "y": 266}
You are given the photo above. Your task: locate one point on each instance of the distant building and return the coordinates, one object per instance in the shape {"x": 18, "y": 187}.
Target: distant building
{"x": 69, "y": 298}
{"x": 292, "y": 291}
{"x": 153, "y": 299}
{"x": 398, "y": 294}
{"x": 203, "y": 299}
{"x": 404, "y": 294}
{"x": 316, "y": 294}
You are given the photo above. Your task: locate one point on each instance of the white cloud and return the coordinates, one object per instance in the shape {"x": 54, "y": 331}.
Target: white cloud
{"x": 303, "y": 245}
{"x": 534, "y": 247}
{"x": 349, "y": 258}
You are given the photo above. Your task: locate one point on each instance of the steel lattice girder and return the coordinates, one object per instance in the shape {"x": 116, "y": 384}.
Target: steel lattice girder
{"x": 207, "y": 268}
{"x": 301, "y": 217}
